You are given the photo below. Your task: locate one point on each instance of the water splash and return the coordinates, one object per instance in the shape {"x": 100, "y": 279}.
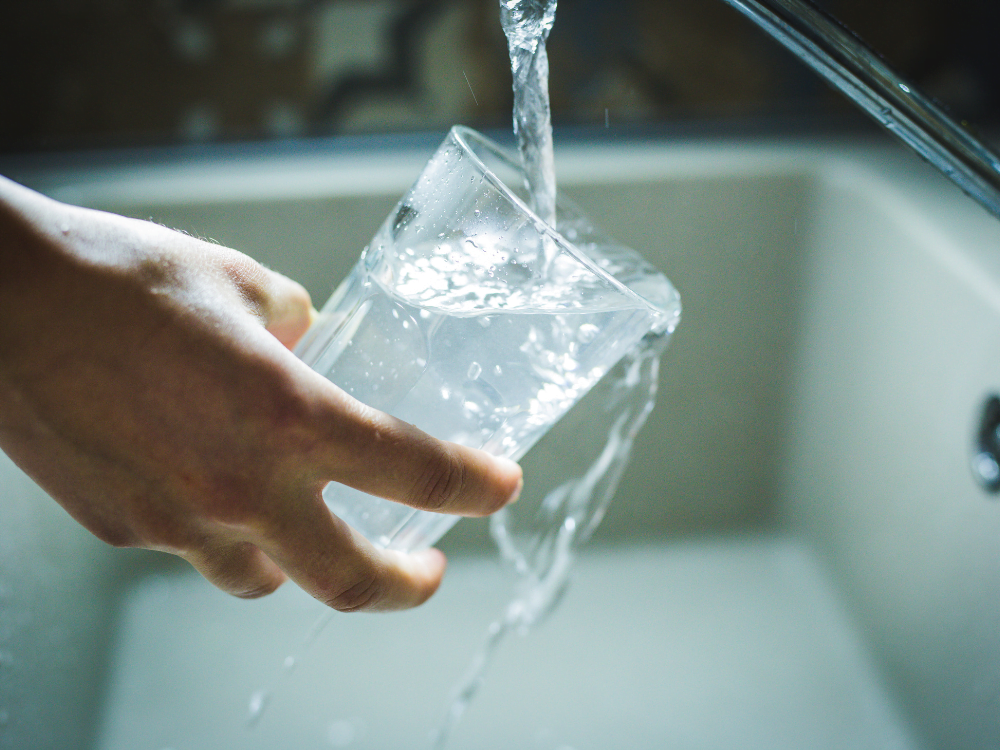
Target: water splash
{"x": 261, "y": 699}
{"x": 541, "y": 547}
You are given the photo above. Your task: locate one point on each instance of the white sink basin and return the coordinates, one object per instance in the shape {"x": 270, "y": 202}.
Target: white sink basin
{"x": 799, "y": 556}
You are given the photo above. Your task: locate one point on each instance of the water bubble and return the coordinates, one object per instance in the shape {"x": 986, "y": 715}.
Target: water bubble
{"x": 497, "y": 370}
{"x": 475, "y": 370}
{"x": 586, "y": 333}
{"x": 288, "y": 664}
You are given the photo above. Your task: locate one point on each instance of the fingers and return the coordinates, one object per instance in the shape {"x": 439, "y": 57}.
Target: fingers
{"x": 381, "y": 455}
{"x": 283, "y": 305}
{"x": 289, "y": 311}
{"x": 337, "y": 566}
{"x": 238, "y": 568}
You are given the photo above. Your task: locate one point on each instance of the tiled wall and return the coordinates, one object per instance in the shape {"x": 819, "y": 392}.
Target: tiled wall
{"x": 126, "y": 72}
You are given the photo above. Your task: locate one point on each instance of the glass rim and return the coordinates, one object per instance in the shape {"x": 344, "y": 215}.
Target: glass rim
{"x": 465, "y": 135}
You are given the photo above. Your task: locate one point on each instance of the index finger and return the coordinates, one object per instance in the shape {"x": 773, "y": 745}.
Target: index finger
{"x": 376, "y": 453}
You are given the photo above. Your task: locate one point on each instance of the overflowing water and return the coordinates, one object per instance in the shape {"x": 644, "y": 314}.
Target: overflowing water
{"x": 541, "y": 543}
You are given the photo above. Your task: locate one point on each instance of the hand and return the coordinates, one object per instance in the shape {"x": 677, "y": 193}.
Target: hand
{"x": 146, "y": 384}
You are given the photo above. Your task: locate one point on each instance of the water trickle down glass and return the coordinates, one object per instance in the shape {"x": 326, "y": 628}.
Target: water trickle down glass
{"x": 542, "y": 546}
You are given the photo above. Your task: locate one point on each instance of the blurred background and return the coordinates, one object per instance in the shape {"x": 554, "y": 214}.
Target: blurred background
{"x": 80, "y": 74}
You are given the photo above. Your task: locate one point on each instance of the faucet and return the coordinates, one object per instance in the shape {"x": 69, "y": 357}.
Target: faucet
{"x": 849, "y": 65}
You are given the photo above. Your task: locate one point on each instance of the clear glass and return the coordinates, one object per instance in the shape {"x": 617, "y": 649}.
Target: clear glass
{"x": 473, "y": 319}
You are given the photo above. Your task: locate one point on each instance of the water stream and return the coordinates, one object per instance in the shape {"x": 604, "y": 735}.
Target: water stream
{"x": 541, "y": 545}
{"x": 527, "y": 24}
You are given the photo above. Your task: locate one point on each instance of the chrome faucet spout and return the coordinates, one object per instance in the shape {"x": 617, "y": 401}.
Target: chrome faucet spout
{"x": 849, "y": 65}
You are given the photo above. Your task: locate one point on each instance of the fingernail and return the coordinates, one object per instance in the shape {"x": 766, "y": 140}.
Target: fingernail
{"x": 431, "y": 560}
{"x": 516, "y": 494}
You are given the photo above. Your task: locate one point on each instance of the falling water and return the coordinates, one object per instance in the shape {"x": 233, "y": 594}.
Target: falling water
{"x": 542, "y": 552}
{"x": 527, "y": 24}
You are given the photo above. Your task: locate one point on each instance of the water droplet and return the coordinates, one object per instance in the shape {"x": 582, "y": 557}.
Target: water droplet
{"x": 475, "y": 370}
{"x": 497, "y": 370}
{"x": 485, "y": 321}
{"x": 289, "y": 664}
{"x": 986, "y": 466}
{"x": 258, "y": 702}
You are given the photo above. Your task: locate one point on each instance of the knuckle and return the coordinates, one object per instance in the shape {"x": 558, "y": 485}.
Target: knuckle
{"x": 116, "y": 536}
{"x": 258, "y": 590}
{"x": 364, "y": 592}
{"x": 442, "y": 481}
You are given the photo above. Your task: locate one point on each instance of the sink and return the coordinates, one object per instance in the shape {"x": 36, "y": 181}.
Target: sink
{"x": 798, "y": 557}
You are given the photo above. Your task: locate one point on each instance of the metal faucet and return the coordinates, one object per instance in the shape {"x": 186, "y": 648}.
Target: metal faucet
{"x": 849, "y": 65}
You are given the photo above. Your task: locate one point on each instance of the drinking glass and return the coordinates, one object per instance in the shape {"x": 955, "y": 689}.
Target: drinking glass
{"x": 471, "y": 318}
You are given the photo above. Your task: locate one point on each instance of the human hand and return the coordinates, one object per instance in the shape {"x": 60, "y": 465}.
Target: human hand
{"x": 146, "y": 384}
